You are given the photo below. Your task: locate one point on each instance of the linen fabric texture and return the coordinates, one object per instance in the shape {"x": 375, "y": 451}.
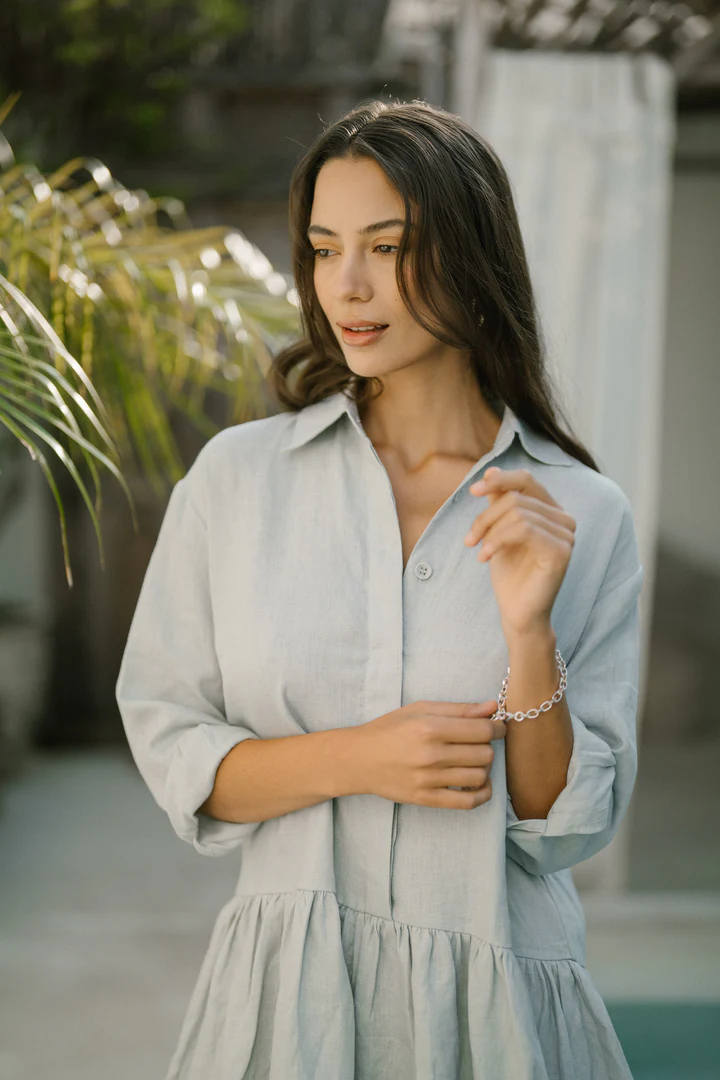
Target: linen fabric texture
{"x": 368, "y": 939}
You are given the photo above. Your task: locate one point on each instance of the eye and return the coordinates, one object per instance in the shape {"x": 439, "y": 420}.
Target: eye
{"x": 318, "y": 253}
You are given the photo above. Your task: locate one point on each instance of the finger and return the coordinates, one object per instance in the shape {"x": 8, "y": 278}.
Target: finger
{"x": 538, "y": 520}
{"x": 462, "y": 778}
{"x": 465, "y": 756}
{"x": 458, "y": 708}
{"x": 505, "y": 504}
{"x": 514, "y": 503}
{"x": 448, "y": 799}
{"x": 541, "y": 533}
{"x": 496, "y": 480}
{"x": 480, "y": 729}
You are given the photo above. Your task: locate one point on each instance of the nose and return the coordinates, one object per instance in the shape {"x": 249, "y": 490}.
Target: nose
{"x": 351, "y": 280}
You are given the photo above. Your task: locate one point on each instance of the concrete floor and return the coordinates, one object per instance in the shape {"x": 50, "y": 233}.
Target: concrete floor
{"x": 105, "y": 916}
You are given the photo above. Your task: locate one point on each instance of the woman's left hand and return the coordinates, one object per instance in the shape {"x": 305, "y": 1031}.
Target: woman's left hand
{"x": 528, "y": 539}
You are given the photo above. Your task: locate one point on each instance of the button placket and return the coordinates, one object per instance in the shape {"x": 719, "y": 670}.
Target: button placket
{"x": 383, "y": 691}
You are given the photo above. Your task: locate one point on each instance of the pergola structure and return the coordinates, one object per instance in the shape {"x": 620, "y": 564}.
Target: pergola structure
{"x": 686, "y": 34}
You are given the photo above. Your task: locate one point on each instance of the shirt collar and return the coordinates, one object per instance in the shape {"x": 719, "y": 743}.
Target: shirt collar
{"x": 314, "y": 419}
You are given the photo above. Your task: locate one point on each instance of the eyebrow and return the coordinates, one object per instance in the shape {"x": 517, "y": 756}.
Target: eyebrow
{"x": 377, "y": 226}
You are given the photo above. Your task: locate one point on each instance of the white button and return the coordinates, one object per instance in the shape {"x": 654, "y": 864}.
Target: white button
{"x": 423, "y": 570}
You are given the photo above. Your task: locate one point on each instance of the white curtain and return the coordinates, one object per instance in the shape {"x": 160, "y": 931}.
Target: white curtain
{"x": 587, "y": 140}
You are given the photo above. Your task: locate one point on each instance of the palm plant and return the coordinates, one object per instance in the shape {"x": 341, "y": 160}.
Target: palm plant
{"x": 115, "y": 313}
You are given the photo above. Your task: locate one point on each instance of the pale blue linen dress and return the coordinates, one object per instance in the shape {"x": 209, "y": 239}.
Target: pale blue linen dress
{"x": 367, "y": 939}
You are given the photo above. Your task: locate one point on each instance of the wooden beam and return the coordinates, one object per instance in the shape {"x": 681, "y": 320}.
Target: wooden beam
{"x": 687, "y": 61}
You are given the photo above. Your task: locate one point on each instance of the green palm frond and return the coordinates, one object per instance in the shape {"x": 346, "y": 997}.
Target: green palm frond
{"x": 114, "y": 313}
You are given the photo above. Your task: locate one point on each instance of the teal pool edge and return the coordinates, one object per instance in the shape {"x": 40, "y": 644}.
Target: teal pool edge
{"x": 665, "y": 1040}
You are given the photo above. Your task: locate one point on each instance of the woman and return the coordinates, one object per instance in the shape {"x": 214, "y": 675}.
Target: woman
{"x": 316, "y": 675}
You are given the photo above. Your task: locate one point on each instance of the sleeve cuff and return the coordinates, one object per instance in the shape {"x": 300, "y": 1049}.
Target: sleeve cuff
{"x": 189, "y": 782}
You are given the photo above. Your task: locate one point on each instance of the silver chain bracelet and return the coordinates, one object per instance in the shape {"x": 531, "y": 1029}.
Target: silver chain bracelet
{"x": 531, "y": 714}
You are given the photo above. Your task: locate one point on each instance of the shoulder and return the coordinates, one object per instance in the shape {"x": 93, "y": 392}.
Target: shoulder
{"x": 606, "y": 547}
{"x": 237, "y": 460}
{"x": 604, "y": 574}
{"x": 243, "y": 441}
{"x": 594, "y": 495}
{"x": 596, "y": 501}
{"x": 251, "y": 443}
{"x": 589, "y": 495}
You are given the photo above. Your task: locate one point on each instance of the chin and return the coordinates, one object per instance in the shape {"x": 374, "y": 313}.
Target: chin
{"x": 372, "y": 368}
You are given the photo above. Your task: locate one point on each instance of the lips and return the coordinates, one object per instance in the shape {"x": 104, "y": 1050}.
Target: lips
{"x": 361, "y": 335}
{"x": 367, "y": 327}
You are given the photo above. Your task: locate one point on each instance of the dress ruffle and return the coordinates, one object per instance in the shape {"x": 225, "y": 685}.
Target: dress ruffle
{"x": 573, "y": 1025}
{"x": 295, "y": 986}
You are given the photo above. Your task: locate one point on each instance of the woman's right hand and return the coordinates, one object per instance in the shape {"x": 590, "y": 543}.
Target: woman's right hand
{"x": 419, "y": 752}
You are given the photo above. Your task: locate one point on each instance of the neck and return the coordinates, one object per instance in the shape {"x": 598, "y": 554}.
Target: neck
{"x": 420, "y": 418}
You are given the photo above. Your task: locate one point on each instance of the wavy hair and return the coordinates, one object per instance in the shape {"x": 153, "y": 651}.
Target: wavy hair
{"x": 469, "y": 266}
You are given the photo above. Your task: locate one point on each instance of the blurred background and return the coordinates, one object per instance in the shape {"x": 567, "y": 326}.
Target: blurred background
{"x": 145, "y": 282}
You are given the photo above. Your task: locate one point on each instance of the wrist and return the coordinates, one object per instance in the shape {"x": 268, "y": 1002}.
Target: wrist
{"x": 344, "y": 771}
{"x": 536, "y": 636}
{"x": 533, "y": 687}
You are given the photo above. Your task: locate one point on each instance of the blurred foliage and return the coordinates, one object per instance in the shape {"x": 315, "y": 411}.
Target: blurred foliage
{"x": 107, "y": 73}
{"x": 116, "y": 314}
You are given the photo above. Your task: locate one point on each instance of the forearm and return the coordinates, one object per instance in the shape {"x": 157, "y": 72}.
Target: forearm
{"x": 537, "y": 751}
{"x": 266, "y": 778}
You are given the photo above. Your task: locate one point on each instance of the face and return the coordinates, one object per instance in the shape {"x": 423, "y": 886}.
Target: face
{"x": 354, "y": 270}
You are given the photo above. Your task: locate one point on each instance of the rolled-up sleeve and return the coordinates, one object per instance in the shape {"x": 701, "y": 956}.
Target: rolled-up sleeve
{"x": 602, "y": 696}
{"x": 169, "y": 689}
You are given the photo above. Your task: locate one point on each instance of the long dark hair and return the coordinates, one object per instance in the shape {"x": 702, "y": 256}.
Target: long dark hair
{"x": 468, "y": 262}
